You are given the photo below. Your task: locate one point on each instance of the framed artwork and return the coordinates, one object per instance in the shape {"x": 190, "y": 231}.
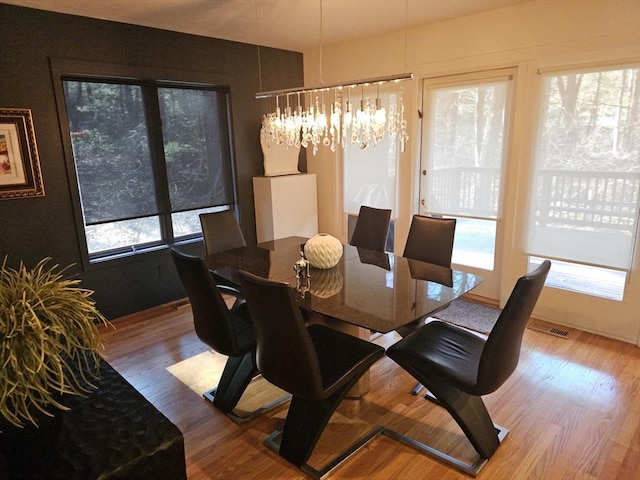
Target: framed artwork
{"x": 19, "y": 163}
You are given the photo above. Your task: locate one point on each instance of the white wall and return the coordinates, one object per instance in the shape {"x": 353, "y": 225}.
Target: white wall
{"x": 539, "y": 34}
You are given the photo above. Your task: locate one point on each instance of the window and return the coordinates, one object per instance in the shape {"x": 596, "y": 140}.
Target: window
{"x": 585, "y": 195}
{"x": 149, "y": 158}
{"x": 465, "y": 147}
{"x": 370, "y": 174}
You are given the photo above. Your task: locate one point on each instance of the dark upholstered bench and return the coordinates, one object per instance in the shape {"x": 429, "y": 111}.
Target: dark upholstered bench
{"x": 115, "y": 434}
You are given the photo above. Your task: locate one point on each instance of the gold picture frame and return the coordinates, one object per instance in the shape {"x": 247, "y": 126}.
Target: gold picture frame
{"x": 20, "y": 174}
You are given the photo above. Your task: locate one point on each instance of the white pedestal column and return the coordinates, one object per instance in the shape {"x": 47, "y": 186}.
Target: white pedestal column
{"x": 285, "y": 206}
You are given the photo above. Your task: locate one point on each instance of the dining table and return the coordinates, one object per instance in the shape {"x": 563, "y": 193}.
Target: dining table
{"x": 377, "y": 291}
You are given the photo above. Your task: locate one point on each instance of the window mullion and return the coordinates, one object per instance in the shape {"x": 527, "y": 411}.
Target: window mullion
{"x": 156, "y": 148}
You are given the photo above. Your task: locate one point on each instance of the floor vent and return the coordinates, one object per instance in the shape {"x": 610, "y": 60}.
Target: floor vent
{"x": 551, "y": 330}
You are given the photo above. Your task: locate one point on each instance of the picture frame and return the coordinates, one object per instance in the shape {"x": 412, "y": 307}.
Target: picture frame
{"x": 20, "y": 174}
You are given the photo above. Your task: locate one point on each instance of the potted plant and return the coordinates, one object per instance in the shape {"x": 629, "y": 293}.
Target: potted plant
{"x": 49, "y": 348}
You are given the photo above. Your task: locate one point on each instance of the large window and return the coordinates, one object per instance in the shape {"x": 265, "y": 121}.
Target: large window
{"x": 586, "y": 190}
{"x": 148, "y": 159}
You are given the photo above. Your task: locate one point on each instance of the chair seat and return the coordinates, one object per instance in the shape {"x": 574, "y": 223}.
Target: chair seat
{"x": 443, "y": 349}
{"x": 340, "y": 354}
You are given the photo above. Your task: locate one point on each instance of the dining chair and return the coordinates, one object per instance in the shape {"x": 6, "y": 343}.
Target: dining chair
{"x": 372, "y": 228}
{"x": 459, "y": 367}
{"x": 221, "y": 231}
{"x": 318, "y": 365}
{"x": 226, "y": 331}
{"x": 430, "y": 240}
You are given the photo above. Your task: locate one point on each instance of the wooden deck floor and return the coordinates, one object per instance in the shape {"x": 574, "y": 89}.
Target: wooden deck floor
{"x": 572, "y": 408}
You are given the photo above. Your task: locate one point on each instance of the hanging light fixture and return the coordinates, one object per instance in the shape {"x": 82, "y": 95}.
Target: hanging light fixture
{"x": 314, "y": 125}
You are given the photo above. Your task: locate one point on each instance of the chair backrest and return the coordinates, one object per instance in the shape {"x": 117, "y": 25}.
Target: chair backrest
{"x": 431, "y": 240}
{"x": 372, "y": 228}
{"x": 212, "y": 319}
{"x": 501, "y": 352}
{"x": 285, "y": 353}
{"x": 221, "y": 231}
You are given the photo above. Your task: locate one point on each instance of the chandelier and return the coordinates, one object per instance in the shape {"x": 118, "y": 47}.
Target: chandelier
{"x": 325, "y": 115}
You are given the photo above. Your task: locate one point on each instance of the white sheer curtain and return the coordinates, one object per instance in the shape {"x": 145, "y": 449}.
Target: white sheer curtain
{"x": 465, "y": 151}
{"x": 370, "y": 174}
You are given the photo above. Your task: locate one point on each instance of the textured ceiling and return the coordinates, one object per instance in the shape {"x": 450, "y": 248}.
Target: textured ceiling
{"x": 288, "y": 24}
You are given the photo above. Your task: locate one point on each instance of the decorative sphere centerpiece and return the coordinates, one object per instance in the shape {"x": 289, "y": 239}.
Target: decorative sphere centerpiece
{"x": 323, "y": 251}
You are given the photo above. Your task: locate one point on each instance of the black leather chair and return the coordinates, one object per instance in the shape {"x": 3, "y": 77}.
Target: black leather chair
{"x": 372, "y": 228}
{"x": 430, "y": 240}
{"x": 316, "y": 364}
{"x": 227, "y": 331}
{"x": 221, "y": 231}
{"x": 459, "y": 367}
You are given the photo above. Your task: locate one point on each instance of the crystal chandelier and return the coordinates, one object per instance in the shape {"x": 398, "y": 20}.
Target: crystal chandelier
{"x": 311, "y": 122}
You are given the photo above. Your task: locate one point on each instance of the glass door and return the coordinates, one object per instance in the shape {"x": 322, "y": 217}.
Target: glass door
{"x": 464, "y": 140}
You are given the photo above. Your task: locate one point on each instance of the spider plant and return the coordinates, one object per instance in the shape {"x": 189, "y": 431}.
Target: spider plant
{"x": 49, "y": 341}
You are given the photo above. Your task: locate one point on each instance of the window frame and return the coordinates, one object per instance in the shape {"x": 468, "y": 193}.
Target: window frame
{"x": 63, "y": 69}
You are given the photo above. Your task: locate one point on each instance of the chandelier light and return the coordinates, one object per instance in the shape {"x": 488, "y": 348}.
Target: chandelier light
{"x": 309, "y": 123}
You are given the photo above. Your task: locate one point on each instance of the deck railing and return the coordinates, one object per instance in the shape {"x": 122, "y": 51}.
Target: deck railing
{"x": 477, "y": 188}
{"x": 564, "y": 198}
{"x": 588, "y": 200}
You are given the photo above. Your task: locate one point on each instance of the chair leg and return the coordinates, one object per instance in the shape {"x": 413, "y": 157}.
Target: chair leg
{"x": 236, "y": 377}
{"x": 408, "y": 330}
{"x": 471, "y": 469}
{"x": 471, "y": 415}
{"x": 305, "y": 423}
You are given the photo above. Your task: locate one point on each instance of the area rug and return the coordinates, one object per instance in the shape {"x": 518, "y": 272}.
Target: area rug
{"x": 469, "y": 314}
{"x": 203, "y": 370}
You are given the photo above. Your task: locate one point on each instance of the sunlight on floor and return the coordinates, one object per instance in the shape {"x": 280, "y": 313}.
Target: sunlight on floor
{"x": 202, "y": 372}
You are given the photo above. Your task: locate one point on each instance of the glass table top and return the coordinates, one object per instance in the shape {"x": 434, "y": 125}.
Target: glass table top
{"x": 375, "y": 290}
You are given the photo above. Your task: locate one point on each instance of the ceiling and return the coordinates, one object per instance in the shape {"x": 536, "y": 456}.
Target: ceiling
{"x": 296, "y": 25}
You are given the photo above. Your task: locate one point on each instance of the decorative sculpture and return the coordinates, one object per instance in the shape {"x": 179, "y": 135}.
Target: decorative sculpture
{"x": 323, "y": 251}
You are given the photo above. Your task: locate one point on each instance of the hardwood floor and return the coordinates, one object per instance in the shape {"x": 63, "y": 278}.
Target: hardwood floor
{"x": 572, "y": 408}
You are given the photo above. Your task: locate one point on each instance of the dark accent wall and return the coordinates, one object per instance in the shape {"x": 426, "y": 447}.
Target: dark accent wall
{"x": 33, "y": 228}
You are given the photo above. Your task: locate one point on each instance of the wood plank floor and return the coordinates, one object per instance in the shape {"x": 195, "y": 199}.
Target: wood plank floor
{"x": 572, "y": 408}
